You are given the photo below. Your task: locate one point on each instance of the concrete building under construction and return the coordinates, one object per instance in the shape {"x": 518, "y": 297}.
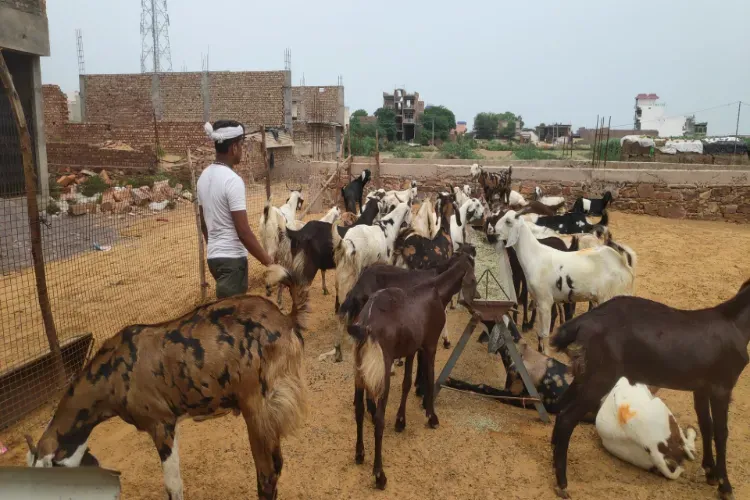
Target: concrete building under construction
{"x": 408, "y": 107}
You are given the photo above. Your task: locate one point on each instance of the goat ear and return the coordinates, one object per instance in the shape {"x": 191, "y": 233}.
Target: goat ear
{"x": 515, "y": 231}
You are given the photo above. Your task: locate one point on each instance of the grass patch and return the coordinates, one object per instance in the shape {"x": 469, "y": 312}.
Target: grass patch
{"x": 531, "y": 152}
{"x": 93, "y": 185}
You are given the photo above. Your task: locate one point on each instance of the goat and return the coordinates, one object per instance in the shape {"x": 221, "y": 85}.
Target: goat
{"x": 551, "y": 201}
{"x": 352, "y": 193}
{"x": 594, "y": 274}
{"x": 239, "y": 354}
{"x": 462, "y": 194}
{"x": 539, "y": 208}
{"x": 399, "y": 323}
{"x": 570, "y": 223}
{"x": 332, "y": 216}
{"x": 471, "y": 210}
{"x": 493, "y": 184}
{"x": 516, "y": 199}
{"x": 637, "y": 427}
{"x": 425, "y": 223}
{"x": 592, "y": 206}
{"x": 414, "y": 251}
{"x": 361, "y": 247}
{"x": 348, "y": 219}
{"x": 293, "y": 203}
{"x": 392, "y": 198}
{"x": 702, "y": 351}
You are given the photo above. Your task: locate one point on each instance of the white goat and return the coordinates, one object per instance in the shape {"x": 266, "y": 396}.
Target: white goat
{"x": 332, "y": 215}
{"x": 516, "y": 199}
{"x": 462, "y": 195}
{"x": 293, "y": 203}
{"x": 550, "y": 201}
{"x": 393, "y": 197}
{"x": 637, "y": 427}
{"x": 591, "y": 275}
{"x": 426, "y": 223}
{"x": 363, "y": 246}
{"x": 471, "y": 210}
{"x": 272, "y": 223}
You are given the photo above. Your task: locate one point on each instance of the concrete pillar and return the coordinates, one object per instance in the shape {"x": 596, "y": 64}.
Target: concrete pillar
{"x": 38, "y": 123}
{"x": 156, "y": 96}
{"x": 206, "y": 95}
{"x": 82, "y": 96}
{"x": 288, "y": 101}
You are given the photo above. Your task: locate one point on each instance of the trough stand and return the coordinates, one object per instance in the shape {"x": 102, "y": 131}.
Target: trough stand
{"x": 494, "y": 314}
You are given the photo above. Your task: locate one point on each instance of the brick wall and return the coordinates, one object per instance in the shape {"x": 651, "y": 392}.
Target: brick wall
{"x": 61, "y": 155}
{"x": 637, "y": 188}
{"x": 253, "y": 98}
{"x": 319, "y": 103}
{"x": 55, "y": 111}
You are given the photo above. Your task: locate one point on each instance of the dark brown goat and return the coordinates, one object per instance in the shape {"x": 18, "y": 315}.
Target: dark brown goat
{"x": 239, "y": 354}
{"x": 493, "y": 184}
{"x": 396, "y": 323}
{"x": 702, "y": 351}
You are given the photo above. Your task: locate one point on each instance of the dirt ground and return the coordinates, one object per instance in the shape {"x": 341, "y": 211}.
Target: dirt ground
{"x": 482, "y": 449}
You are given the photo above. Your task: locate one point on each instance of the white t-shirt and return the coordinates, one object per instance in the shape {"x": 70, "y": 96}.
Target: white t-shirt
{"x": 221, "y": 191}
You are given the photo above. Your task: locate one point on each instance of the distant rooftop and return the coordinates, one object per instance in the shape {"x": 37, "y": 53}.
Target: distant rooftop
{"x": 647, "y": 96}
{"x": 460, "y": 123}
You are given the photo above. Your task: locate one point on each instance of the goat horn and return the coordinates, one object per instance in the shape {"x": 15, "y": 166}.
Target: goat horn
{"x": 30, "y": 442}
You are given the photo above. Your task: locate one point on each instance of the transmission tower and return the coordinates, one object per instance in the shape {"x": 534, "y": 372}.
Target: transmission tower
{"x": 288, "y": 59}
{"x": 79, "y": 45}
{"x": 155, "y": 52}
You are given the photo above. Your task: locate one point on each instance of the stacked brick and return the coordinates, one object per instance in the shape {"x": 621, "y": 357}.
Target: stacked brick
{"x": 55, "y": 111}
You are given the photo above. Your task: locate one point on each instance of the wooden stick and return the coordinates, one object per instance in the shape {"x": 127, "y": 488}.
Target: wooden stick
{"x": 377, "y": 160}
{"x": 35, "y": 231}
{"x": 201, "y": 251}
{"x": 265, "y": 160}
{"x": 325, "y": 186}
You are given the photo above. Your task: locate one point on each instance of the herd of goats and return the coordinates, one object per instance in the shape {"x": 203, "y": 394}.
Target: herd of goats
{"x": 396, "y": 274}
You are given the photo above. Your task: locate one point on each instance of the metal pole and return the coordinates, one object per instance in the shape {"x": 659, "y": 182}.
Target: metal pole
{"x": 737, "y": 128}
{"x": 593, "y": 147}
{"x": 35, "y": 230}
{"x": 606, "y": 143}
{"x": 155, "y": 34}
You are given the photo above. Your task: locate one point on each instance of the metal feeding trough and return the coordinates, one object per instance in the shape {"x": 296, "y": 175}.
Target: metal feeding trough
{"x": 494, "y": 314}
{"x": 59, "y": 483}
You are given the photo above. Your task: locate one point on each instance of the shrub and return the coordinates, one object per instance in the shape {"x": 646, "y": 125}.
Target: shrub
{"x": 53, "y": 208}
{"x": 612, "y": 148}
{"x": 498, "y": 146}
{"x": 531, "y": 152}
{"x": 363, "y": 146}
{"x": 461, "y": 150}
{"x": 93, "y": 185}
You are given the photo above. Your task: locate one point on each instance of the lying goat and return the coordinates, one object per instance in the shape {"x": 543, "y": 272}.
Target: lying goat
{"x": 570, "y": 223}
{"x": 401, "y": 323}
{"x": 550, "y": 201}
{"x": 637, "y": 427}
{"x": 239, "y": 354}
{"x": 352, "y": 192}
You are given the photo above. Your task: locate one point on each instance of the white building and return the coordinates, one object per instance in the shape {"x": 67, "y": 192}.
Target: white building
{"x": 651, "y": 115}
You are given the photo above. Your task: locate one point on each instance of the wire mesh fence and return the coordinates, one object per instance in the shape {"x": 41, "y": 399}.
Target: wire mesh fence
{"x": 118, "y": 250}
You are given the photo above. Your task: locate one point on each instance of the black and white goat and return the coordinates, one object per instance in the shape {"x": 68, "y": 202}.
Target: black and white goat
{"x": 570, "y": 223}
{"x": 352, "y": 192}
{"x": 591, "y": 275}
{"x": 595, "y": 206}
{"x": 556, "y": 202}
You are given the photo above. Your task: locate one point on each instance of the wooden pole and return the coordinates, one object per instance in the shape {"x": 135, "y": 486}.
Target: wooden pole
{"x": 349, "y": 164}
{"x": 320, "y": 193}
{"x": 377, "y": 160}
{"x": 201, "y": 250}
{"x": 265, "y": 160}
{"x": 349, "y": 141}
{"x": 35, "y": 231}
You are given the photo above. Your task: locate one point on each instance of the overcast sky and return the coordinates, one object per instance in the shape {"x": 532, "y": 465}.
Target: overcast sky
{"x": 549, "y": 61}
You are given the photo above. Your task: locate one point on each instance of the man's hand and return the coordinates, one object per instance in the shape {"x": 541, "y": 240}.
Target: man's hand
{"x": 248, "y": 238}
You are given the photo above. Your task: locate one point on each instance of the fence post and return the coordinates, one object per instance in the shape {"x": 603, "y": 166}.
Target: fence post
{"x": 349, "y": 166}
{"x": 377, "y": 160}
{"x": 35, "y": 231}
{"x": 265, "y": 160}
{"x": 199, "y": 227}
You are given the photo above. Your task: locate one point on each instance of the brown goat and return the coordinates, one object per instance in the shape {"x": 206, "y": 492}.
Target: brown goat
{"x": 493, "y": 184}
{"x": 239, "y": 354}
{"x": 537, "y": 207}
{"x": 396, "y": 323}
{"x": 701, "y": 351}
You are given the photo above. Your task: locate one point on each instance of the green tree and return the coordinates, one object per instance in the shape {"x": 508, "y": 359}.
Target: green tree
{"x": 509, "y": 131}
{"x": 485, "y": 125}
{"x": 444, "y": 121}
{"x": 359, "y": 112}
{"x": 386, "y": 123}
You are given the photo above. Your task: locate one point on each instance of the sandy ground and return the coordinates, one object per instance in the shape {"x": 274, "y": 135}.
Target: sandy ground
{"x": 482, "y": 449}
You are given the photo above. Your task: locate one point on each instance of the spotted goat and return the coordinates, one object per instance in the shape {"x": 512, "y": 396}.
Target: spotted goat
{"x": 496, "y": 187}
{"x": 239, "y": 355}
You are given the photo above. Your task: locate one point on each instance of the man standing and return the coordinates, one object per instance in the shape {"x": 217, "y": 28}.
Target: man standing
{"x": 223, "y": 212}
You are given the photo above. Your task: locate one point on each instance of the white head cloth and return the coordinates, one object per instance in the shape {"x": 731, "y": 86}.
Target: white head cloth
{"x": 224, "y": 133}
